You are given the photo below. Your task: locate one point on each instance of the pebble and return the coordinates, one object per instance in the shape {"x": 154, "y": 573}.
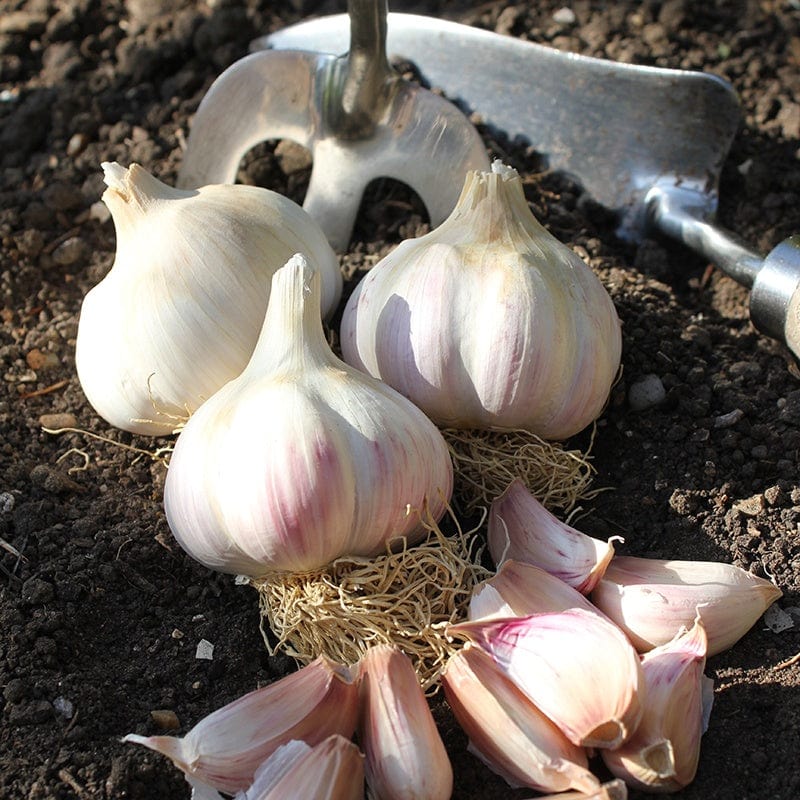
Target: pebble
{"x": 99, "y": 211}
{"x": 64, "y": 707}
{"x": 56, "y": 421}
{"x": 205, "y": 650}
{"x": 77, "y": 144}
{"x": 7, "y": 502}
{"x": 165, "y": 719}
{"x": 646, "y": 393}
{"x": 69, "y": 252}
{"x": 564, "y": 16}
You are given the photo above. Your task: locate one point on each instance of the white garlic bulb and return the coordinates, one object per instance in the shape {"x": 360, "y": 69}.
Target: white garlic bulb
{"x": 302, "y": 459}
{"x": 179, "y": 313}
{"x": 488, "y": 321}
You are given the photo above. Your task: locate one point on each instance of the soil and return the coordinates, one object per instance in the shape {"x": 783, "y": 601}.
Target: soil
{"x": 101, "y": 612}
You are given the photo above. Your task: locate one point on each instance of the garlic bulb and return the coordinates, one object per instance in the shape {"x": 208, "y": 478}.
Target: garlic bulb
{"x": 302, "y": 459}
{"x": 179, "y": 313}
{"x": 488, "y": 321}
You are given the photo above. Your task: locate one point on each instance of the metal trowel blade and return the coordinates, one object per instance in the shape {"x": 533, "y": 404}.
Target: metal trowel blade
{"x": 619, "y": 129}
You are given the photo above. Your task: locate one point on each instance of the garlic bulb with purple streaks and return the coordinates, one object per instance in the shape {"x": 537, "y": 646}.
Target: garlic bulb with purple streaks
{"x": 302, "y": 459}
{"x": 488, "y": 321}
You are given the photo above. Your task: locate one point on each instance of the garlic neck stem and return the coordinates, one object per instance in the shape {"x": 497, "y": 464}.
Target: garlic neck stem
{"x": 292, "y": 336}
{"x": 133, "y": 191}
{"x": 493, "y": 204}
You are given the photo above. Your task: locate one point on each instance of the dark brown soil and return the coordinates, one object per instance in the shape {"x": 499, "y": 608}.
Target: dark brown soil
{"x": 101, "y": 613}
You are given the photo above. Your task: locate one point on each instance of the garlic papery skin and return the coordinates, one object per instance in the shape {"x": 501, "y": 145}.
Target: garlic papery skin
{"x": 266, "y": 776}
{"x": 302, "y": 459}
{"x": 663, "y": 753}
{"x": 331, "y": 770}
{"x": 652, "y": 599}
{"x": 520, "y": 527}
{"x": 180, "y": 311}
{"x": 225, "y": 748}
{"x": 576, "y": 667}
{"x": 507, "y": 731}
{"x": 488, "y": 321}
{"x": 519, "y": 590}
{"x": 405, "y": 756}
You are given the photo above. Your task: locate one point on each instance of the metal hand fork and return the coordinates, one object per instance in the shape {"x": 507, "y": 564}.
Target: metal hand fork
{"x": 647, "y": 143}
{"x": 358, "y": 118}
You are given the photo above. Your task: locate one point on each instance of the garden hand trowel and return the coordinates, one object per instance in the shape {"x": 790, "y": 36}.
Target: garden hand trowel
{"x": 646, "y": 142}
{"x": 358, "y": 118}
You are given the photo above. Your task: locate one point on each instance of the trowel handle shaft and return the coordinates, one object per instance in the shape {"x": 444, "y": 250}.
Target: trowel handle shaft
{"x": 774, "y": 281}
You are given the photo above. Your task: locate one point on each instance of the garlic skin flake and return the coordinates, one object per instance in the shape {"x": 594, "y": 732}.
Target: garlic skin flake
{"x": 488, "y": 321}
{"x": 405, "y": 756}
{"x": 521, "y": 528}
{"x": 663, "y": 753}
{"x": 653, "y": 599}
{"x": 302, "y": 459}
{"x": 179, "y": 313}
{"x": 575, "y": 666}
{"x": 507, "y": 731}
{"x": 331, "y": 770}
{"x": 225, "y": 748}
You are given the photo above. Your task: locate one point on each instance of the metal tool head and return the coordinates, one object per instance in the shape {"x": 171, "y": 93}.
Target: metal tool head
{"x": 359, "y": 119}
{"x": 619, "y": 129}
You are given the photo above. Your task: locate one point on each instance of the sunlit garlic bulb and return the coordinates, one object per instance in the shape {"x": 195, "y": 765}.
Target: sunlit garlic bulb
{"x": 179, "y": 313}
{"x": 488, "y": 321}
{"x": 302, "y": 459}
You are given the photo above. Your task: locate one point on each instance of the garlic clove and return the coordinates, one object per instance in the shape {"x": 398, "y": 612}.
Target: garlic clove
{"x": 331, "y": 770}
{"x": 488, "y": 321}
{"x": 179, "y": 313}
{"x": 405, "y": 756}
{"x": 652, "y": 599}
{"x": 521, "y": 528}
{"x": 278, "y": 764}
{"x": 225, "y": 748}
{"x": 611, "y": 790}
{"x": 302, "y": 459}
{"x": 507, "y": 731}
{"x": 575, "y": 666}
{"x": 663, "y": 753}
{"x": 518, "y": 590}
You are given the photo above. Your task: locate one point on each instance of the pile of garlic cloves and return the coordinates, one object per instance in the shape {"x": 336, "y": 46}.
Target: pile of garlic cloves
{"x": 543, "y": 681}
